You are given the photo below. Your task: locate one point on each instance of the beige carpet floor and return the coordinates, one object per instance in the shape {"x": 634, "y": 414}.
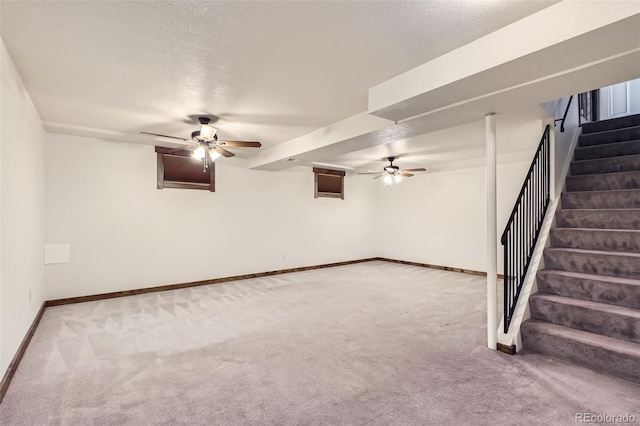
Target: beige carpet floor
{"x": 366, "y": 344}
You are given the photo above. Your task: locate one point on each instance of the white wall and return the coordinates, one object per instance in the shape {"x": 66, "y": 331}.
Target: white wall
{"x": 21, "y": 209}
{"x": 440, "y": 218}
{"x": 566, "y": 141}
{"x": 101, "y": 197}
{"x": 126, "y": 234}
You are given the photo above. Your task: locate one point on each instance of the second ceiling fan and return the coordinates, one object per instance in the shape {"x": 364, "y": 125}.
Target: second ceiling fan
{"x": 205, "y": 143}
{"x": 393, "y": 173}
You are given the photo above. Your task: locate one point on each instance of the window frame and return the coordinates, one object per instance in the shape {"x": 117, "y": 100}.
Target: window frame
{"x": 317, "y": 171}
{"x": 161, "y": 152}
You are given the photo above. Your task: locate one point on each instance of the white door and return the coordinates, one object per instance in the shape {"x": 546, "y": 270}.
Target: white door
{"x": 620, "y": 99}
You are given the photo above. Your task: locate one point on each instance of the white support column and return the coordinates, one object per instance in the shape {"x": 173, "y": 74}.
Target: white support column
{"x": 492, "y": 233}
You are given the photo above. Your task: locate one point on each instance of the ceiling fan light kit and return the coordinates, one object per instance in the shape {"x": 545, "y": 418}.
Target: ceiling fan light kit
{"x": 200, "y": 152}
{"x": 207, "y": 132}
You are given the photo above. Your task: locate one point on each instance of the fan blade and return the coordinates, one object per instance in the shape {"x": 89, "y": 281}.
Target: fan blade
{"x": 180, "y": 148}
{"x": 164, "y": 136}
{"x": 220, "y": 150}
{"x": 414, "y": 170}
{"x": 371, "y": 173}
{"x": 379, "y": 176}
{"x": 240, "y": 144}
{"x": 404, "y": 173}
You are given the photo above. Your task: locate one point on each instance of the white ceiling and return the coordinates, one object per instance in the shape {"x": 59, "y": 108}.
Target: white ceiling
{"x": 271, "y": 71}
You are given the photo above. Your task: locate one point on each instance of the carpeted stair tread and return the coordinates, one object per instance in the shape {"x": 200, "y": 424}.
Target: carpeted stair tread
{"x": 626, "y": 265}
{"x": 611, "y": 124}
{"x": 617, "y": 357}
{"x": 616, "y": 149}
{"x": 611, "y": 199}
{"x": 618, "y": 345}
{"x": 586, "y": 304}
{"x": 600, "y": 318}
{"x": 625, "y": 163}
{"x": 599, "y": 218}
{"x": 604, "y": 181}
{"x": 618, "y": 240}
{"x": 598, "y": 288}
{"x": 609, "y": 136}
{"x": 594, "y": 252}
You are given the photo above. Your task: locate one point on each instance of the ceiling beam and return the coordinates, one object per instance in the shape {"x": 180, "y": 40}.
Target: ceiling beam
{"x": 564, "y": 36}
{"x": 338, "y": 138}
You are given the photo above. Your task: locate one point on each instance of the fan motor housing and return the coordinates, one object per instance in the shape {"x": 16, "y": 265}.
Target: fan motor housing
{"x": 196, "y": 137}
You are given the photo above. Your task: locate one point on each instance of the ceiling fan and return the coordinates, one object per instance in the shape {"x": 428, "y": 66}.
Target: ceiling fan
{"x": 205, "y": 143}
{"x": 393, "y": 173}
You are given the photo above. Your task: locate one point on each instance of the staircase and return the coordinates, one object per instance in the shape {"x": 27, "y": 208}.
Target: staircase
{"x": 587, "y": 309}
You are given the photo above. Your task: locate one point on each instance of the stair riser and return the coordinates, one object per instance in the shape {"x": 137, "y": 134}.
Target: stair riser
{"x": 587, "y": 263}
{"x": 599, "y": 219}
{"x": 622, "y": 135}
{"x": 591, "y": 320}
{"x": 612, "y": 293}
{"x": 601, "y": 200}
{"x": 608, "y": 165}
{"x": 612, "y": 181}
{"x": 617, "y": 364}
{"x": 609, "y": 150}
{"x": 616, "y": 123}
{"x": 618, "y": 241}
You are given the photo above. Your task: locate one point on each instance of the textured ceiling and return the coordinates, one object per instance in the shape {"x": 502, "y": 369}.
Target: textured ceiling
{"x": 270, "y": 71}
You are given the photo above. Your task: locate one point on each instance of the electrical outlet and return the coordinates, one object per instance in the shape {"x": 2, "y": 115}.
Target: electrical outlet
{"x": 284, "y": 256}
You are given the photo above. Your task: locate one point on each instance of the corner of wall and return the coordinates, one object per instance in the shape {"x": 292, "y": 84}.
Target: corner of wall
{"x": 21, "y": 211}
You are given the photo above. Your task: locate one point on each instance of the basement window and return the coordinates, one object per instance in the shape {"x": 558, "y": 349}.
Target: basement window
{"x": 328, "y": 183}
{"x": 178, "y": 169}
